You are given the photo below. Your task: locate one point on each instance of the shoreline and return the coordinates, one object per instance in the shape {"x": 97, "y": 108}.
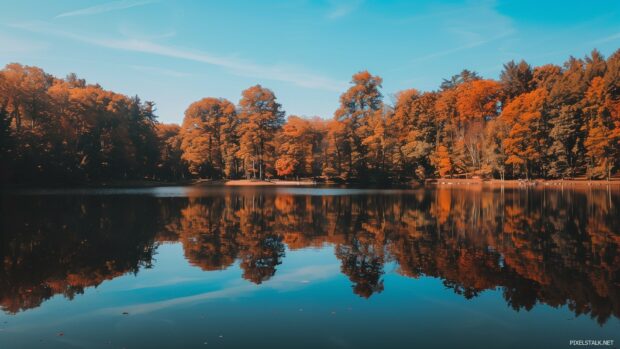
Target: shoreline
{"x": 252, "y": 183}
{"x": 447, "y": 182}
{"x": 516, "y": 183}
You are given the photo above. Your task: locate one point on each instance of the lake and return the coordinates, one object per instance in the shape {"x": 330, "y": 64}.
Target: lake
{"x": 276, "y": 267}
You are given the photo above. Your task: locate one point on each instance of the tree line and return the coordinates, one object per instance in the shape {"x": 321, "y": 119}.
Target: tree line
{"x": 65, "y": 130}
{"x": 545, "y": 122}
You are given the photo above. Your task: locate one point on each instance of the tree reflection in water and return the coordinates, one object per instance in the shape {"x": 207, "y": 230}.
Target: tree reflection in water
{"x": 536, "y": 245}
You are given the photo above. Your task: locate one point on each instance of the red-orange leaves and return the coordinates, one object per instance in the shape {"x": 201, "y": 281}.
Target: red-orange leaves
{"x": 524, "y": 117}
{"x": 478, "y": 99}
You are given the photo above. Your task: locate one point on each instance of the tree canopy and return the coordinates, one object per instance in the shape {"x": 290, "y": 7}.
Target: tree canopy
{"x": 534, "y": 122}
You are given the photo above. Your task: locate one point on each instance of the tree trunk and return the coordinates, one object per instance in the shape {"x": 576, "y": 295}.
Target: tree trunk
{"x": 608, "y": 172}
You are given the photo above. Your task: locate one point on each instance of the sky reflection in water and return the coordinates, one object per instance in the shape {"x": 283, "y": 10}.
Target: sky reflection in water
{"x": 307, "y": 267}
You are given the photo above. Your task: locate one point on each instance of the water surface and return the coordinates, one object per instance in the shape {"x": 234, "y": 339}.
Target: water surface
{"x": 309, "y": 267}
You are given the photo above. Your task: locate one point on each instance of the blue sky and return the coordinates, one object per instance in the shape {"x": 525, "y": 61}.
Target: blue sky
{"x": 176, "y": 52}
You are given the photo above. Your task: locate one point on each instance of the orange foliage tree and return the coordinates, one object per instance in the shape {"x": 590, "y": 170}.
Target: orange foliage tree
{"x": 261, "y": 117}
{"x": 358, "y": 107}
{"x": 300, "y": 147}
{"x": 204, "y": 137}
{"x": 525, "y": 141}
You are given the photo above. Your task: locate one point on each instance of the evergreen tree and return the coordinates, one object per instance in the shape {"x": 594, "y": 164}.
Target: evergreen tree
{"x": 516, "y": 79}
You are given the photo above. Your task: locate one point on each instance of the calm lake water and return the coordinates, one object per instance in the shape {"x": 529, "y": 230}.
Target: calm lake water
{"x": 184, "y": 267}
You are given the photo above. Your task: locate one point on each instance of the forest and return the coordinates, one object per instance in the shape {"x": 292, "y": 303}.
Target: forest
{"x": 543, "y": 122}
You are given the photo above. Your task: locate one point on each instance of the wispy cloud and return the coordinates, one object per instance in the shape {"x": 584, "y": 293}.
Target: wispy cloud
{"x": 340, "y": 9}
{"x": 107, "y": 7}
{"x": 160, "y": 71}
{"x": 290, "y": 281}
{"x": 476, "y": 25}
{"x": 467, "y": 46}
{"x": 11, "y": 44}
{"x": 607, "y": 39}
{"x": 285, "y": 73}
{"x": 134, "y": 30}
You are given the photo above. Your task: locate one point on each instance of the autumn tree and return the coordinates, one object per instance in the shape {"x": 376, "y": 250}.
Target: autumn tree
{"x": 414, "y": 127}
{"x": 477, "y": 102}
{"x": 24, "y": 92}
{"x": 566, "y": 119}
{"x": 463, "y": 106}
{"x": 442, "y": 162}
{"x": 494, "y": 153}
{"x": 611, "y": 86}
{"x": 595, "y": 65}
{"x": 337, "y": 164}
{"x": 447, "y": 128}
{"x": 379, "y": 144}
{"x": 359, "y": 105}
{"x": 204, "y": 137}
{"x": 299, "y": 147}
{"x": 526, "y": 139}
{"x": 261, "y": 117}
{"x": 601, "y": 142}
{"x": 546, "y": 76}
{"x": 170, "y": 163}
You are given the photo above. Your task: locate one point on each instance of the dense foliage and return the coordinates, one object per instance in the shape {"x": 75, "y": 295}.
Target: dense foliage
{"x": 535, "y": 122}
{"x": 64, "y": 130}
